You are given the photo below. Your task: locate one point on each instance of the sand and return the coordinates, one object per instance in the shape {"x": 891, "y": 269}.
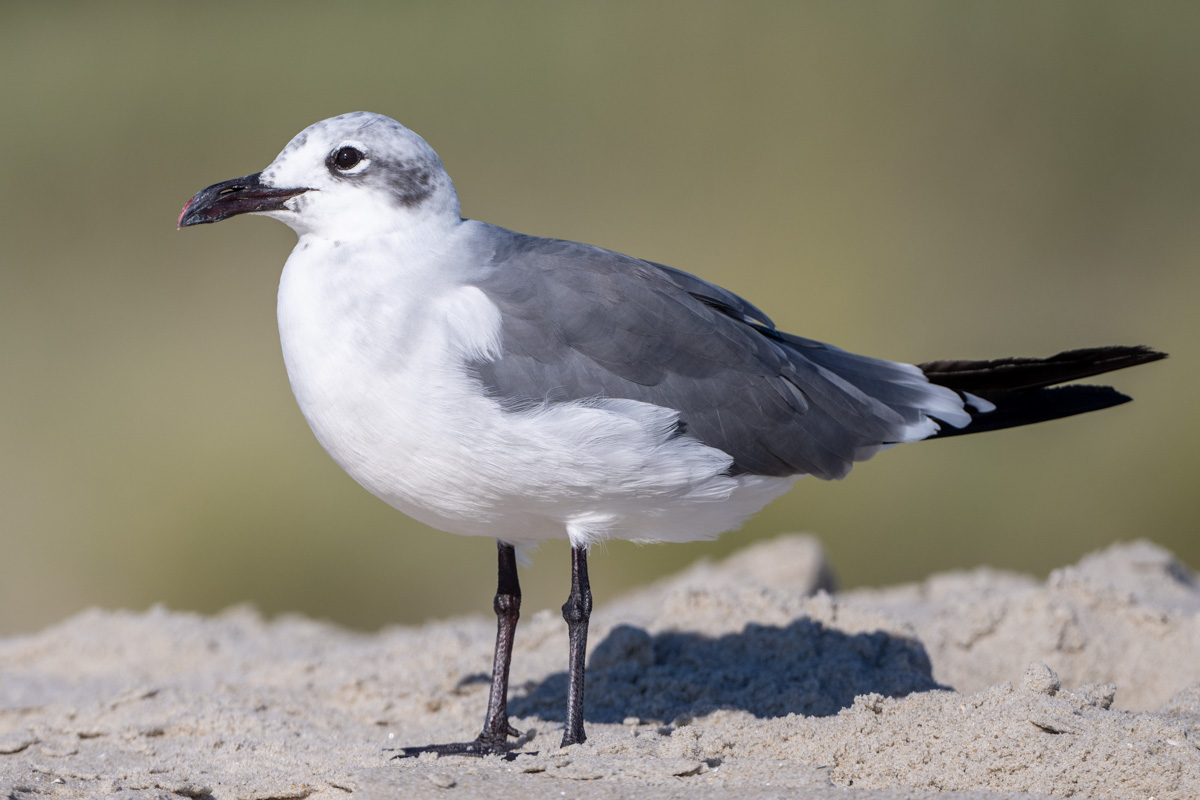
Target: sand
{"x": 745, "y": 678}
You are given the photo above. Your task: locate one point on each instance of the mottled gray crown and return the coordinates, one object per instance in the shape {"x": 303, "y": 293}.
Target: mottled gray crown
{"x": 401, "y": 165}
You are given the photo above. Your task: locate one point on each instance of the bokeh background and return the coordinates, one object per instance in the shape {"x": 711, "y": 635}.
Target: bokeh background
{"x": 911, "y": 180}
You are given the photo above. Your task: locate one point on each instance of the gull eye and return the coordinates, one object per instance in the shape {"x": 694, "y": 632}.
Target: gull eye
{"x": 346, "y": 158}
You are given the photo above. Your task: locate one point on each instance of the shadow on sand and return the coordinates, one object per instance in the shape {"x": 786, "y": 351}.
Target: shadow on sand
{"x": 803, "y": 668}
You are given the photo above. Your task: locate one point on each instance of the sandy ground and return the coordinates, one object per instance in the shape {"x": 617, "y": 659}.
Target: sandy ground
{"x": 742, "y": 677}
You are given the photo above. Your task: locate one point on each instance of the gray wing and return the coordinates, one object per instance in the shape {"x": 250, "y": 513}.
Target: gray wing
{"x": 581, "y": 322}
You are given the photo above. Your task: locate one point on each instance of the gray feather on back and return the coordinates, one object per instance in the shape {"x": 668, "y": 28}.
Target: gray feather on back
{"x": 580, "y": 322}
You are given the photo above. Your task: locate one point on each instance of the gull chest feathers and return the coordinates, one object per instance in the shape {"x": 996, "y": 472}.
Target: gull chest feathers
{"x": 376, "y": 334}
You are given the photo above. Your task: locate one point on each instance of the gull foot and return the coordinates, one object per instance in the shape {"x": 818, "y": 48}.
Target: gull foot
{"x": 486, "y": 744}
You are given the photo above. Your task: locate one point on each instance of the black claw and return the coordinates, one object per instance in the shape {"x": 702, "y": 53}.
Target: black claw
{"x": 482, "y": 746}
{"x": 476, "y": 748}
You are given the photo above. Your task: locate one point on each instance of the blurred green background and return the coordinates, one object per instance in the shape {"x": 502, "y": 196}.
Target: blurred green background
{"x": 910, "y": 180}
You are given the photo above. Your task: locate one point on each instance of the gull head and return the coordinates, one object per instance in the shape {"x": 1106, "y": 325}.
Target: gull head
{"x": 352, "y": 176}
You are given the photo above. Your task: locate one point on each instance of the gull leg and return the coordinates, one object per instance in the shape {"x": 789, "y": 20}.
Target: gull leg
{"x": 577, "y": 611}
{"x": 507, "y": 605}
{"x": 496, "y": 728}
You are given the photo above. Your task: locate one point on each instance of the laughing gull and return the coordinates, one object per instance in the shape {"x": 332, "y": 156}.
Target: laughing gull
{"x": 489, "y": 383}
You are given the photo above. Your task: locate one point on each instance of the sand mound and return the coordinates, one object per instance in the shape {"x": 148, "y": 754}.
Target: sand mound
{"x": 744, "y": 676}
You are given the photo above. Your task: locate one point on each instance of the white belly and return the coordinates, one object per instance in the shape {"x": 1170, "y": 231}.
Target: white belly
{"x": 385, "y": 386}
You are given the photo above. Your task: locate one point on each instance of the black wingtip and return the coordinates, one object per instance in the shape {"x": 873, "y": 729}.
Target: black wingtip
{"x": 1011, "y": 374}
{"x": 1025, "y": 391}
{"x": 1030, "y": 406}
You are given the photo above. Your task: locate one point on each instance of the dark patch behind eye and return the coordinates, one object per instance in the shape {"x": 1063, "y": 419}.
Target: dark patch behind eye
{"x": 409, "y": 184}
